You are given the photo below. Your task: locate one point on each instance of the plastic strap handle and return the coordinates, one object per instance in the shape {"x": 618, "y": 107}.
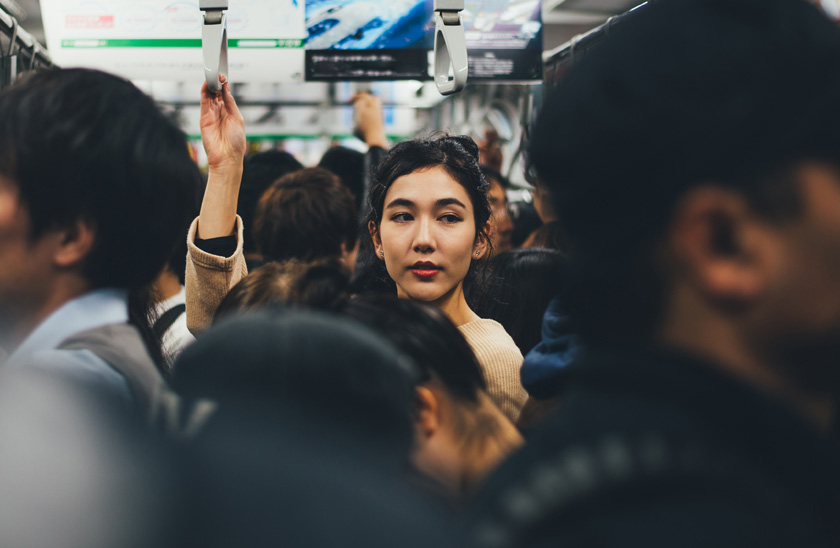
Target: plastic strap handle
{"x": 214, "y": 41}
{"x": 8, "y": 61}
{"x": 450, "y": 47}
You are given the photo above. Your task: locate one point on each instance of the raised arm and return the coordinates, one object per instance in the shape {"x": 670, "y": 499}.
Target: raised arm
{"x": 209, "y": 275}
{"x": 369, "y": 120}
{"x": 223, "y": 136}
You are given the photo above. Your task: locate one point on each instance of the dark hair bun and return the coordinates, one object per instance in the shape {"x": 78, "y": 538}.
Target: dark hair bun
{"x": 467, "y": 143}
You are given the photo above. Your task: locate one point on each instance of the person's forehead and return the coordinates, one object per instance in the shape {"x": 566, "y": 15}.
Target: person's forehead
{"x": 12, "y": 211}
{"x": 425, "y": 187}
{"x": 9, "y": 191}
{"x": 8, "y": 185}
{"x": 496, "y": 190}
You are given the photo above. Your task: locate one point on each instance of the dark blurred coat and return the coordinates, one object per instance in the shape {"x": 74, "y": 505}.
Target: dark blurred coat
{"x": 658, "y": 450}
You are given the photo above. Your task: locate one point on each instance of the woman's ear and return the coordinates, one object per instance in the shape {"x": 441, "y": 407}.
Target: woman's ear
{"x": 482, "y": 242}
{"x": 374, "y": 236}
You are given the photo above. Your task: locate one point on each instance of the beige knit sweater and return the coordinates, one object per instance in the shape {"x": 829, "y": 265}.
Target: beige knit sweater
{"x": 500, "y": 361}
{"x": 209, "y": 278}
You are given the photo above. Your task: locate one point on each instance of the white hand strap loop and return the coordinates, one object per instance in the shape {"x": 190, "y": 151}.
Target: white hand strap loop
{"x": 214, "y": 41}
{"x": 450, "y": 47}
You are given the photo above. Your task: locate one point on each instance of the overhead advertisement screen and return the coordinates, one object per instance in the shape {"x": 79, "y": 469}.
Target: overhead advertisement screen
{"x": 161, "y": 39}
{"x": 504, "y": 39}
{"x": 391, "y": 39}
{"x": 368, "y": 39}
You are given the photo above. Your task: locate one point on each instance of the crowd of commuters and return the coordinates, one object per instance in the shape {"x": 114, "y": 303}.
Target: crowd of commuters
{"x": 363, "y": 353}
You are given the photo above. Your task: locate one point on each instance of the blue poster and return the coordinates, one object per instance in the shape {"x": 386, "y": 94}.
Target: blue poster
{"x": 391, "y": 39}
{"x": 368, "y": 39}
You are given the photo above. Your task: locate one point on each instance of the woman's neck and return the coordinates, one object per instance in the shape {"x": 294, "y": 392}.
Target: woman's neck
{"x": 455, "y": 306}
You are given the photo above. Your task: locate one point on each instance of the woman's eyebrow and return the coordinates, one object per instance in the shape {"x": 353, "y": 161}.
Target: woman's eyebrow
{"x": 443, "y": 202}
{"x": 400, "y": 202}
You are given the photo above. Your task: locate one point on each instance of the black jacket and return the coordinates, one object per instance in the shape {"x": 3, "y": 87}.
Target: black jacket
{"x": 658, "y": 449}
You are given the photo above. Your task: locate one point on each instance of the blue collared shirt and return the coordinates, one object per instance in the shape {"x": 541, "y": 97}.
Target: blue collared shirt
{"x": 95, "y": 309}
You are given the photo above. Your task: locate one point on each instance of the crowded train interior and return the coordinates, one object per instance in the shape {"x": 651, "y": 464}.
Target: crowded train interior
{"x": 419, "y": 273}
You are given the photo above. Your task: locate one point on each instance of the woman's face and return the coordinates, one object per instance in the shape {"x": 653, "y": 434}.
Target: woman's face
{"x": 427, "y": 234}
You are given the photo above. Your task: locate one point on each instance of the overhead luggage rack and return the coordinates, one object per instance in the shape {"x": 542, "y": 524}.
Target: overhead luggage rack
{"x": 22, "y": 53}
{"x": 558, "y": 60}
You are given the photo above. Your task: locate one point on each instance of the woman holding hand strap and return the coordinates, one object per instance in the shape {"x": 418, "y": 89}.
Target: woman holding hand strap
{"x": 428, "y": 221}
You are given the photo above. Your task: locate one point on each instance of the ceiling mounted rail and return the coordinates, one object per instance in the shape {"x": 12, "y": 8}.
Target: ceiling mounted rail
{"x": 23, "y": 52}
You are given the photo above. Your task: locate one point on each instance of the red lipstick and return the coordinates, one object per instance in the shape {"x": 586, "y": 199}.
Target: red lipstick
{"x": 424, "y": 269}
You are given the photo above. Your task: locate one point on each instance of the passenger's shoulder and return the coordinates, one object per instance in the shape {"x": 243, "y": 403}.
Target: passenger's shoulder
{"x": 489, "y": 337}
{"x": 487, "y": 328}
{"x": 80, "y": 365}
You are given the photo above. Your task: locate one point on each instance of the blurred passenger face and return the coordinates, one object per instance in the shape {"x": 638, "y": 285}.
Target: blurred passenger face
{"x": 25, "y": 263}
{"x": 457, "y": 443}
{"x": 764, "y": 292}
{"x": 798, "y": 323}
{"x": 427, "y": 234}
{"x": 542, "y": 203}
{"x": 501, "y": 223}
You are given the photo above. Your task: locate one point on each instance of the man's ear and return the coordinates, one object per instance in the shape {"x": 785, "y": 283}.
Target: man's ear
{"x": 73, "y": 243}
{"x": 719, "y": 245}
{"x": 427, "y": 411}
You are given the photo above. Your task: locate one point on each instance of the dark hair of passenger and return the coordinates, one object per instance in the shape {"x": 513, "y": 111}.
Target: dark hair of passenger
{"x": 519, "y": 286}
{"x": 349, "y": 166}
{"x": 307, "y": 370}
{"x": 495, "y": 175}
{"x": 142, "y": 315}
{"x": 320, "y": 285}
{"x": 525, "y": 221}
{"x": 142, "y": 300}
{"x": 306, "y": 215}
{"x": 637, "y": 136}
{"x": 110, "y": 158}
{"x": 425, "y": 334}
{"x": 458, "y": 156}
{"x": 259, "y": 172}
{"x": 550, "y": 236}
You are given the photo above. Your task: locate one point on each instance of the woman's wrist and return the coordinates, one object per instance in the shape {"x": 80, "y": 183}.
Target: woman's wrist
{"x": 218, "y": 208}
{"x": 226, "y": 172}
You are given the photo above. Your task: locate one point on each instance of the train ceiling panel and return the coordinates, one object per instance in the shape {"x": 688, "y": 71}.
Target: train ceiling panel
{"x": 563, "y": 19}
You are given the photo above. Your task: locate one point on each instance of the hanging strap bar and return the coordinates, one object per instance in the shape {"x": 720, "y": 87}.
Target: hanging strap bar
{"x": 450, "y": 47}
{"x": 8, "y": 61}
{"x": 23, "y": 52}
{"x": 214, "y": 41}
{"x": 575, "y": 48}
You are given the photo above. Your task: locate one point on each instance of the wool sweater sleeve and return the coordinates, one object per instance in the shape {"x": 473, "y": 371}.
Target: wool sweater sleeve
{"x": 209, "y": 278}
{"x": 500, "y": 361}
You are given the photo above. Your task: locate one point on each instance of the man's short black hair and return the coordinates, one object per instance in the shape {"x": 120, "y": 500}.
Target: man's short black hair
{"x": 84, "y": 145}
{"x": 735, "y": 93}
{"x": 260, "y": 171}
{"x": 349, "y": 165}
{"x": 492, "y": 174}
{"x": 306, "y": 215}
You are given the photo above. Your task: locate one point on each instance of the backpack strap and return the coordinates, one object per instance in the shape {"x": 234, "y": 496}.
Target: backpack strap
{"x": 168, "y": 318}
{"x": 121, "y": 346}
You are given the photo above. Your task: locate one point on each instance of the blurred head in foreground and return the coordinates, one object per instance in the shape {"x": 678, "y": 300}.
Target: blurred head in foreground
{"x": 699, "y": 186}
